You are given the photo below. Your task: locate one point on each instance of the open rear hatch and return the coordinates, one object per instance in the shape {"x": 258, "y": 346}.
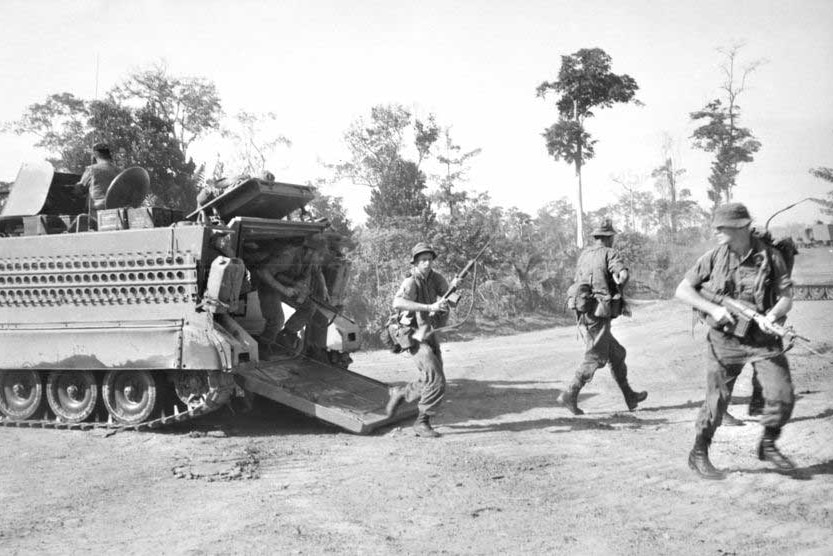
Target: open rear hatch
{"x": 349, "y": 400}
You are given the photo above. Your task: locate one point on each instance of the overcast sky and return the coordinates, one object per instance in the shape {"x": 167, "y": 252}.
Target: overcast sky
{"x": 319, "y": 65}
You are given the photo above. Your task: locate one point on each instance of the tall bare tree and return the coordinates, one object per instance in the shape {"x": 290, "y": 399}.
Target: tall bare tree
{"x": 721, "y": 132}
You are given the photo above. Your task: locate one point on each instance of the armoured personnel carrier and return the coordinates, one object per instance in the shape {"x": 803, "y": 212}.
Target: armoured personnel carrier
{"x": 136, "y": 317}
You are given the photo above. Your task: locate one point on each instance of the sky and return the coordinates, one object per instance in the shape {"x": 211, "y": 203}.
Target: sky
{"x": 475, "y": 65}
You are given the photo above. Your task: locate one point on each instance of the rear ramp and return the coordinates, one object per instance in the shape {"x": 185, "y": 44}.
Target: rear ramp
{"x": 349, "y": 400}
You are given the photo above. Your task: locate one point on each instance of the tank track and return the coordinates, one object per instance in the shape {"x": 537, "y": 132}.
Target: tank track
{"x": 813, "y": 292}
{"x": 214, "y": 400}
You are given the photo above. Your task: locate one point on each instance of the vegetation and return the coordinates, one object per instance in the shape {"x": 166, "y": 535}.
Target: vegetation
{"x": 584, "y": 83}
{"x": 149, "y": 120}
{"x": 721, "y": 133}
{"x": 418, "y": 174}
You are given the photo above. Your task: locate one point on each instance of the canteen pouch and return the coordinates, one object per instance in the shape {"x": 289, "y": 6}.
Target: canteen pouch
{"x": 603, "y": 307}
{"x": 616, "y": 305}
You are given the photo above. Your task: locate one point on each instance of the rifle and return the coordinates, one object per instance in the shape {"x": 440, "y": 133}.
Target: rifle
{"x": 452, "y": 296}
{"x": 745, "y": 314}
{"x": 331, "y": 313}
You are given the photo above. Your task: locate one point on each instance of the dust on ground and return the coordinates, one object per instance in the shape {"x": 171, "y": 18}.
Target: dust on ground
{"x": 514, "y": 473}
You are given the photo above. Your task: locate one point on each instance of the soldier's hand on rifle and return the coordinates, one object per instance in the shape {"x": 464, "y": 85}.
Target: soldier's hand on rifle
{"x": 303, "y": 293}
{"x": 290, "y": 292}
{"x": 439, "y": 306}
{"x": 721, "y": 315}
{"x": 768, "y": 323}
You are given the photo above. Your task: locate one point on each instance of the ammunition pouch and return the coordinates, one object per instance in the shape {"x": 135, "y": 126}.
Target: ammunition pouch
{"x": 395, "y": 336}
{"x": 608, "y": 306}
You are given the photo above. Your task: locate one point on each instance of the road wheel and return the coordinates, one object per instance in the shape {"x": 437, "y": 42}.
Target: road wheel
{"x": 191, "y": 387}
{"x": 129, "y": 396}
{"x": 21, "y": 394}
{"x": 72, "y": 395}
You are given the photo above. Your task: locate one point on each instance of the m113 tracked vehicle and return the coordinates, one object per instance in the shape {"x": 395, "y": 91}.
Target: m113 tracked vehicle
{"x": 136, "y": 317}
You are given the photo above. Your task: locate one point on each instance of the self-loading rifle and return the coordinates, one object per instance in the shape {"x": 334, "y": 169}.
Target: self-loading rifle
{"x": 745, "y": 313}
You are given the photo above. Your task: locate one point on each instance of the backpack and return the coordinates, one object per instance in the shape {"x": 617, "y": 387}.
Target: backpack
{"x": 785, "y": 246}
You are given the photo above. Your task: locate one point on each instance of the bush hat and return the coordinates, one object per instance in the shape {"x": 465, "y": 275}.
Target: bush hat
{"x": 420, "y": 248}
{"x": 731, "y": 215}
{"x": 102, "y": 148}
{"x": 605, "y": 228}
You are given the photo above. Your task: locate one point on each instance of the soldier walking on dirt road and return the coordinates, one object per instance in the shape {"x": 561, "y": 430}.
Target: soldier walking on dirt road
{"x": 597, "y": 300}
{"x": 744, "y": 268}
{"x": 418, "y": 300}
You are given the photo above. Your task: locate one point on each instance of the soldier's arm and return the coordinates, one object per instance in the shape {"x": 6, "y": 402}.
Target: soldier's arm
{"x": 616, "y": 267}
{"x": 687, "y": 293}
{"x": 267, "y": 278}
{"x": 404, "y": 300}
{"x": 694, "y": 278}
{"x": 402, "y": 304}
{"x": 783, "y": 289}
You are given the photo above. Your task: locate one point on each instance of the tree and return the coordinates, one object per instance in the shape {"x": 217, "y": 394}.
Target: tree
{"x": 379, "y": 160}
{"x": 454, "y": 162}
{"x": 826, "y": 174}
{"x": 721, "y": 133}
{"x": 190, "y": 104}
{"x": 666, "y": 178}
{"x": 632, "y": 199}
{"x": 331, "y": 208}
{"x": 60, "y": 124}
{"x": 584, "y": 83}
{"x": 400, "y": 196}
{"x": 143, "y": 133}
{"x": 255, "y": 140}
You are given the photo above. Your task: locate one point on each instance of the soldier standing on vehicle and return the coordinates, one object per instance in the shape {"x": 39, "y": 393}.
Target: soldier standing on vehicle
{"x": 600, "y": 275}
{"x": 742, "y": 267}
{"x": 418, "y": 299}
{"x": 98, "y": 176}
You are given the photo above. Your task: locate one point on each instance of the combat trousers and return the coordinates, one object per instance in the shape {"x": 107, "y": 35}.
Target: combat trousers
{"x": 272, "y": 311}
{"x": 725, "y": 358}
{"x": 601, "y": 348}
{"x": 429, "y": 389}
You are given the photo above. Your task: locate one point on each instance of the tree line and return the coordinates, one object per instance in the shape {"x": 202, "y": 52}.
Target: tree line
{"x": 417, "y": 175}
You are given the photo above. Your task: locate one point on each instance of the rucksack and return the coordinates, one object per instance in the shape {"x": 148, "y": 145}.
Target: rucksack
{"x": 785, "y": 246}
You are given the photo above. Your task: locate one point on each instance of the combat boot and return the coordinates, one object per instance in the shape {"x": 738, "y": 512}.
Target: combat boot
{"x": 633, "y": 399}
{"x": 768, "y": 451}
{"x": 570, "y": 399}
{"x": 264, "y": 349}
{"x": 698, "y": 461}
{"x": 395, "y": 398}
{"x": 730, "y": 420}
{"x": 422, "y": 427}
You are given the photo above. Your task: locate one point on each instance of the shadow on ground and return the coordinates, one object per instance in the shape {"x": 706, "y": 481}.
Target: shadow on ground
{"x": 799, "y": 474}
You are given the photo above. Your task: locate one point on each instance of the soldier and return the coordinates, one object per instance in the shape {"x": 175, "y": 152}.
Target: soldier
{"x": 601, "y": 271}
{"x": 98, "y": 176}
{"x": 420, "y": 297}
{"x": 273, "y": 273}
{"x": 308, "y": 280}
{"x": 741, "y": 267}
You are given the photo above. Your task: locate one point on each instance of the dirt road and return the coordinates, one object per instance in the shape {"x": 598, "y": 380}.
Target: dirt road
{"x": 514, "y": 473}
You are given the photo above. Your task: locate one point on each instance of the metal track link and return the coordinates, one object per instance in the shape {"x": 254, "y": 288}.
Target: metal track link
{"x": 813, "y": 292}
{"x": 215, "y": 401}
